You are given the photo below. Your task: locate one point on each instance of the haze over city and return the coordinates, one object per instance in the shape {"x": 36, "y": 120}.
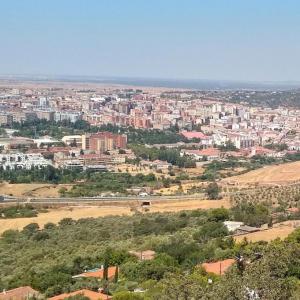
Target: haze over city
{"x": 216, "y": 40}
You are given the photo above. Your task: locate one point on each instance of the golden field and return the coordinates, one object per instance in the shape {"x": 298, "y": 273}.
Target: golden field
{"x": 31, "y": 189}
{"x": 78, "y": 212}
{"x": 283, "y": 173}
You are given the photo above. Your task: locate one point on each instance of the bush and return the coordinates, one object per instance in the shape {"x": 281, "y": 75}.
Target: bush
{"x": 127, "y": 296}
{"x": 31, "y": 228}
{"x": 49, "y": 226}
{"x": 66, "y": 222}
{"x": 41, "y": 236}
{"x": 213, "y": 191}
{"x": 210, "y": 230}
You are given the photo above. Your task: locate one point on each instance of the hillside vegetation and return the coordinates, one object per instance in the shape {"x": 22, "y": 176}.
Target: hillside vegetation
{"x": 47, "y": 258}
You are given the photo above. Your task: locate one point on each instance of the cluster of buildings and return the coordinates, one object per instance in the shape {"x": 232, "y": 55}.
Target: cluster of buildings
{"x": 207, "y": 119}
{"x": 222, "y": 121}
{"x": 96, "y": 151}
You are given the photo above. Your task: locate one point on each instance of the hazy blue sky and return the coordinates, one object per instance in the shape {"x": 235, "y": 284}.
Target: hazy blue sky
{"x": 203, "y": 39}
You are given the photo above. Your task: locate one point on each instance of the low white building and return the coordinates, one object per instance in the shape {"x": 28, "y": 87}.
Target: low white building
{"x": 232, "y": 225}
{"x": 72, "y": 139}
{"x": 45, "y": 140}
{"x": 23, "y": 161}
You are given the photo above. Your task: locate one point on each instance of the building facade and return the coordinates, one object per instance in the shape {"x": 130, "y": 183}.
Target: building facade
{"x": 23, "y": 161}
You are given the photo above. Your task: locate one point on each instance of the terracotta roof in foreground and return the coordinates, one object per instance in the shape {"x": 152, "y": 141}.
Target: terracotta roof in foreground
{"x": 20, "y": 293}
{"x": 87, "y": 293}
{"x": 218, "y": 267}
{"x": 98, "y": 273}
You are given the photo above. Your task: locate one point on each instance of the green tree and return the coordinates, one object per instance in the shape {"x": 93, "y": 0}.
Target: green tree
{"x": 210, "y": 230}
{"x": 31, "y": 228}
{"x": 127, "y": 296}
{"x": 213, "y": 191}
{"x": 77, "y": 297}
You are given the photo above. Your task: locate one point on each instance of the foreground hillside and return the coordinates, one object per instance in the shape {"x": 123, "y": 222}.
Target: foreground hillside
{"x": 47, "y": 259}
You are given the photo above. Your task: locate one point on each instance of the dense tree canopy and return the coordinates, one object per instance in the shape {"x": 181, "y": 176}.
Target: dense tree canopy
{"x": 47, "y": 258}
{"x": 57, "y": 130}
{"x": 170, "y": 155}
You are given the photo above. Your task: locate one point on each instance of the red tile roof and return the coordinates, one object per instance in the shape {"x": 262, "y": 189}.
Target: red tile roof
{"x": 87, "y": 293}
{"x": 218, "y": 267}
{"x": 193, "y": 135}
{"x": 262, "y": 150}
{"x": 98, "y": 273}
{"x": 210, "y": 152}
{"x": 204, "y": 152}
{"x": 20, "y": 293}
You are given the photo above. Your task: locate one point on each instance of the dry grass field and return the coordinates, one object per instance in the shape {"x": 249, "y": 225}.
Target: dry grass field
{"x": 198, "y": 171}
{"x": 134, "y": 170}
{"x": 175, "y": 188}
{"x": 284, "y": 173}
{"x": 31, "y": 189}
{"x": 280, "y": 230}
{"x": 173, "y": 206}
{"x": 55, "y": 215}
{"x": 52, "y": 190}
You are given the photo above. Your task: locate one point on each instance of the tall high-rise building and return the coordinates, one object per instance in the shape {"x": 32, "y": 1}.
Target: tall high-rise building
{"x": 104, "y": 141}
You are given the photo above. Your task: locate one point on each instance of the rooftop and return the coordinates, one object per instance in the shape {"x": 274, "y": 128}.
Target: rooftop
{"x": 97, "y": 273}
{"x": 87, "y": 293}
{"x": 193, "y": 135}
{"x": 218, "y": 267}
{"x": 20, "y": 293}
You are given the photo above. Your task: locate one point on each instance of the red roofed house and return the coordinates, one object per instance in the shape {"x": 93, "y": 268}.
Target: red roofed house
{"x": 87, "y": 293}
{"x": 20, "y": 293}
{"x": 193, "y": 135}
{"x": 258, "y": 150}
{"x": 209, "y": 153}
{"x": 240, "y": 153}
{"x": 218, "y": 267}
{"x": 97, "y": 273}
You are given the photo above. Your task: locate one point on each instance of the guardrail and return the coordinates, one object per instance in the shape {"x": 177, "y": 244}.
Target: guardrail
{"x": 100, "y": 199}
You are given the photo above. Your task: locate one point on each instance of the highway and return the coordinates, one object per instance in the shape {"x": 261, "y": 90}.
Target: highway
{"x": 71, "y": 200}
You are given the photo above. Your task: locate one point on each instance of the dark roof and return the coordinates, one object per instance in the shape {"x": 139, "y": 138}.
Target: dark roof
{"x": 248, "y": 228}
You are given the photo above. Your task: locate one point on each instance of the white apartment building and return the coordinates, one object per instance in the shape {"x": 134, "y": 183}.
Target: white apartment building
{"x": 71, "y": 116}
{"x": 241, "y": 140}
{"x": 23, "y": 161}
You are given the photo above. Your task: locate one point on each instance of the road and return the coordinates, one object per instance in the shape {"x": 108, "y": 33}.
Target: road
{"x": 74, "y": 200}
{"x": 68, "y": 200}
